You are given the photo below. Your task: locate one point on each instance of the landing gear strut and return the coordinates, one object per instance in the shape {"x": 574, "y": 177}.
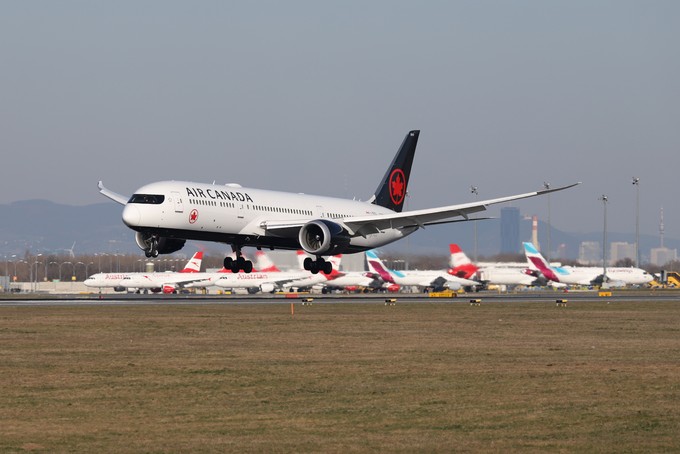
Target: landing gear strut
{"x": 238, "y": 264}
{"x": 320, "y": 264}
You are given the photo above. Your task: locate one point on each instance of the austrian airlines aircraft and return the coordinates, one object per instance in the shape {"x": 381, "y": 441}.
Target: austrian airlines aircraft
{"x": 166, "y": 282}
{"x": 167, "y": 213}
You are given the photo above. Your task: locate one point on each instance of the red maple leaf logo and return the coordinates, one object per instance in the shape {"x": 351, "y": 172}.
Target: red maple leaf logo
{"x": 397, "y": 186}
{"x": 193, "y": 216}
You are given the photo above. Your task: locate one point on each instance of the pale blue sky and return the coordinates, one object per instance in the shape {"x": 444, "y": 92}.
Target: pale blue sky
{"x": 316, "y": 96}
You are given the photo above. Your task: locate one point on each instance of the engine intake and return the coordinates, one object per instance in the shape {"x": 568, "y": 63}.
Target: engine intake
{"x": 322, "y": 237}
{"x": 163, "y": 245}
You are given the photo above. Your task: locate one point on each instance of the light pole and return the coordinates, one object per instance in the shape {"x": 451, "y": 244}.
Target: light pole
{"x": 15, "y": 266}
{"x": 473, "y": 190}
{"x": 546, "y": 185}
{"x": 604, "y": 200}
{"x": 34, "y": 282}
{"x": 86, "y": 265}
{"x": 64, "y": 263}
{"x": 636, "y": 183}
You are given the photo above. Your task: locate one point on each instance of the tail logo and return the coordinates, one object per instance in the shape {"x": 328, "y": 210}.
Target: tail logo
{"x": 397, "y": 186}
{"x": 193, "y": 216}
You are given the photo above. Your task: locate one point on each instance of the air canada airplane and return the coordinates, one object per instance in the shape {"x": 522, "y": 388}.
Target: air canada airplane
{"x": 167, "y": 213}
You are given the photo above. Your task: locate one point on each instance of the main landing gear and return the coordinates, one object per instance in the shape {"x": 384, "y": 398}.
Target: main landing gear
{"x": 152, "y": 249}
{"x": 320, "y": 264}
{"x": 238, "y": 264}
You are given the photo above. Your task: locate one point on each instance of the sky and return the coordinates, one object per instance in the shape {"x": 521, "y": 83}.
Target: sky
{"x": 316, "y": 97}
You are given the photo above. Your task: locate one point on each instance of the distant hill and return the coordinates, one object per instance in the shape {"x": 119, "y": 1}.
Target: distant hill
{"x": 41, "y": 226}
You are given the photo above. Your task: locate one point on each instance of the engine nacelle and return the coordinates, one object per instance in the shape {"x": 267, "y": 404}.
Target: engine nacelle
{"x": 267, "y": 288}
{"x": 323, "y": 237}
{"x": 163, "y": 245}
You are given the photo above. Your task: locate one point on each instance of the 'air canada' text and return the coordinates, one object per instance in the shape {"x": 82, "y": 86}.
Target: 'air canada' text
{"x": 219, "y": 194}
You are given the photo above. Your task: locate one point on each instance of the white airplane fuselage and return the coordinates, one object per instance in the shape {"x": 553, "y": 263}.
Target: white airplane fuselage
{"x": 576, "y": 275}
{"x": 506, "y": 276}
{"x": 269, "y": 281}
{"x": 139, "y": 280}
{"x": 234, "y": 214}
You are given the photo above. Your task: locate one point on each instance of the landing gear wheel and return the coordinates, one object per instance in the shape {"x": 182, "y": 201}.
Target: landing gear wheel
{"x": 307, "y": 264}
{"x": 247, "y": 266}
{"x": 238, "y": 264}
{"x": 327, "y": 267}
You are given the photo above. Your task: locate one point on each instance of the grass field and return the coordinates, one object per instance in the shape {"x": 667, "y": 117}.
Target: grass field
{"x": 592, "y": 377}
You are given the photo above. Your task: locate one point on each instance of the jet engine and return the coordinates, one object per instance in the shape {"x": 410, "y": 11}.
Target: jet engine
{"x": 267, "y": 288}
{"x": 322, "y": 237}
{"x": 163, "y": 245}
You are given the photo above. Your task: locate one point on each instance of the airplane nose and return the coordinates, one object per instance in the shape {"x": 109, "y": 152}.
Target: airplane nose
{"x": 131, "y": 215}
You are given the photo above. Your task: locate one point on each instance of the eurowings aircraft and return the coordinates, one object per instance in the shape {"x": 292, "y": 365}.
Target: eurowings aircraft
{"x": 166, "y": 214}
{"x": 436, "y": 279}
{"x": 585, "y": 275}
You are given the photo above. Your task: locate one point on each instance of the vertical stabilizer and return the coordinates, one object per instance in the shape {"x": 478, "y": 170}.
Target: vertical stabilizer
{"x": 391, "y": 192}
{"x": 265, "y": 264}
{"x": 375, "y": 265}
{"x": 194, "y": 264}
{"x": 460, "y": 264}
{"x": 539, "y": 262}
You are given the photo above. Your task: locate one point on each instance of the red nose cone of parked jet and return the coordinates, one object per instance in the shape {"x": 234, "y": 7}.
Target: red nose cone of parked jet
{"x": 131, "y": 215}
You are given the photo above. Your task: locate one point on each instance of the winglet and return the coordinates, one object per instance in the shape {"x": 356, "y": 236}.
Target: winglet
{"x": 111, "y": 195}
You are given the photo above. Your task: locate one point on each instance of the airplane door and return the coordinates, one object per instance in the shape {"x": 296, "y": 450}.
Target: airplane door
{"x": 177, "y": 199}
{"x": 319, "y": 212}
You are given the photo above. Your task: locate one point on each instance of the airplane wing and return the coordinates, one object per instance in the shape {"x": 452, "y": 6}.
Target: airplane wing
{"x": 431, "y": 216}
{"x": 365, "y": 225}
{"x": 444, "y": 278}
{"x": 112, "y": 195}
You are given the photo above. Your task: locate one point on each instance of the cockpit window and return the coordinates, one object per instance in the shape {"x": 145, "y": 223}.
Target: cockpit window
{"x": 152, "y": 199}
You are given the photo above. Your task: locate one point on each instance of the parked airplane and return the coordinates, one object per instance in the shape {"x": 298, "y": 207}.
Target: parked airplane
{"x": 270, "y": 281}
{"x": 434, "y": 279}
{"x": 495, "y": 274}
{"x": 586, "y": 275}
{"x": 166, "y": 214}
{"x": 167, "y": 282}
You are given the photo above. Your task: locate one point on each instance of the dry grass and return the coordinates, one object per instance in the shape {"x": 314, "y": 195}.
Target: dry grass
{"x": 336, "y": 378}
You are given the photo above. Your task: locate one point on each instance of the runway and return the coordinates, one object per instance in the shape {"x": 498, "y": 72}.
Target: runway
{"x": 642, "y": 295}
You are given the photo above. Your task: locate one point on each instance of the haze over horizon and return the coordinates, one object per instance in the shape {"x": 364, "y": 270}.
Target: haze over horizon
{"x": 312, "y": 97}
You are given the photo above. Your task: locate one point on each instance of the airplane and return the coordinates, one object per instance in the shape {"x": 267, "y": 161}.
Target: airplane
{"x": 435, "y": 279}
{"x": 166, "y": 214}
{"x": 586, "y": 275}
{"x": 495, "y": 273}
{"x": 167, "y": 282}
{"x": 267, "y": 282}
